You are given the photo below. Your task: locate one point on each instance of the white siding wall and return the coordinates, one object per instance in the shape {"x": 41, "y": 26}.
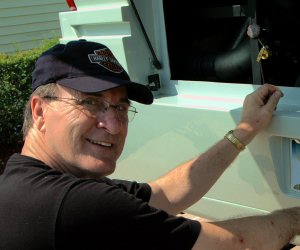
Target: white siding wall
{"x": 24, "y": 24}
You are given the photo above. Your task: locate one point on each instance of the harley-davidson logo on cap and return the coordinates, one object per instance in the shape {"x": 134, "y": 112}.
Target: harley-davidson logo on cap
{"x": 106, "y": 59}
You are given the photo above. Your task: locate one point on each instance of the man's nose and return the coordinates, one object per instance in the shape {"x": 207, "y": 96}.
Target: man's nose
{"x": 110, "y": 121}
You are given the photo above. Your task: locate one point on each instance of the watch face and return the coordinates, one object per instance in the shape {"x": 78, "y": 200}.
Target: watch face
{"x": 235, "y": 141}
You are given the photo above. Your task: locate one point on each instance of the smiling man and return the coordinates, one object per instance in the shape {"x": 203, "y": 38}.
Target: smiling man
{"x": 56, "y": 193}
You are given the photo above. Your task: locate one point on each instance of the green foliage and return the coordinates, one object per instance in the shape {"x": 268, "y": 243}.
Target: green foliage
{"x": 15, "y": 80}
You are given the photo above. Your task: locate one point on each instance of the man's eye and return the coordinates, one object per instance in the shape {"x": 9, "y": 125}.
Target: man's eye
{"x": 122, "y": 108}
{"x": 88, "y": 102}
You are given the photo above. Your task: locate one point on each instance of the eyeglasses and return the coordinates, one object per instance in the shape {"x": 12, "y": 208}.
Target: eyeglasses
{"x": 124, "y": 111}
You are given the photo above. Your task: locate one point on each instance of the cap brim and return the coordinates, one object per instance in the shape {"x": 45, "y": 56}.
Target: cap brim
{"x": 89, "y": 84}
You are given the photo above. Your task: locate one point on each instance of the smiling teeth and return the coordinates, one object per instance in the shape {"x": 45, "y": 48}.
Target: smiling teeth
{"x": 105, "y": 144}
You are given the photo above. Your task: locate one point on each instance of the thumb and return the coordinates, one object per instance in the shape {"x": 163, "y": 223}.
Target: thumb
{"x": 273, "y": 100}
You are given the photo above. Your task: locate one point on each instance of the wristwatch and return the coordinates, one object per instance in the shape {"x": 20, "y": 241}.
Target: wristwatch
{"x": 235, "y": 141}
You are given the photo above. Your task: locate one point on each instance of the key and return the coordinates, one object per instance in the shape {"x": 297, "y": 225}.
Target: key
{"x": 263, "y": 53}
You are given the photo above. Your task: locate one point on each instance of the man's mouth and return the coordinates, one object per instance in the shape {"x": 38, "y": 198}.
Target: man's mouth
{"x": 100, "y": 143}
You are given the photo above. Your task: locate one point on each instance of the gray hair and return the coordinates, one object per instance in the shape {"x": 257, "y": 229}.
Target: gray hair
{"x": 48, "y": 89}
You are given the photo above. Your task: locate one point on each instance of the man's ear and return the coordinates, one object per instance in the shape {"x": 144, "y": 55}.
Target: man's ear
{"x": 38, "y": 112}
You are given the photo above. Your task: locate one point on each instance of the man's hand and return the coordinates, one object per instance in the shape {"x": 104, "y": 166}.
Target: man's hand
{"x": 257, "y": 111}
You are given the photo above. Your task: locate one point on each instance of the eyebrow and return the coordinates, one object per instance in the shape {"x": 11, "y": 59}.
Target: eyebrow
{"x": 122, "y": 100}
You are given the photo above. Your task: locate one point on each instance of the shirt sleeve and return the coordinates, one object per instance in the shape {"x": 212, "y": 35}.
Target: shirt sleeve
{"x": 116, "y": 215}
{"x": 139, "y": 190}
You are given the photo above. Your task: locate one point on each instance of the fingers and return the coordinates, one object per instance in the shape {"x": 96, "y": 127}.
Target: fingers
{"x": 270, "y": 95}
{"x": 273, "y": 100}
{"x": 259, "y": 106}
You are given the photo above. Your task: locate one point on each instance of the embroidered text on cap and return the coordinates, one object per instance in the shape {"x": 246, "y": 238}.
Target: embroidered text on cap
{"x": 106, "y": 59}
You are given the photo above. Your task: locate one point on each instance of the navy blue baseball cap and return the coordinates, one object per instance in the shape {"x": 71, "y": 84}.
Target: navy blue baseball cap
{"x": 88, "y": 67}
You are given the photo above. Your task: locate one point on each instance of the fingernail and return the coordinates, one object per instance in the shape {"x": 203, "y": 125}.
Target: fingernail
{"x": 279, "y": 93}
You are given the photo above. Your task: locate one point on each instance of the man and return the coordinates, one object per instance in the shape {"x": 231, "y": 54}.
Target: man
{"x": 55, "y": 194}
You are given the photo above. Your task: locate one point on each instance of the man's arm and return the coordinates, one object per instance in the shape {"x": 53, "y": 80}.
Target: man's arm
{"x": 266, "y": 232}
{"x": 187, "y": 183}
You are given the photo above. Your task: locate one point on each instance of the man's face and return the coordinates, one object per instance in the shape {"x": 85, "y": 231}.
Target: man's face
{"x": 83, "y": 142}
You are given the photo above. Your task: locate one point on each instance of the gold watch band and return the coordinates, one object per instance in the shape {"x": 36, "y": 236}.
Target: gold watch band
{"x": 235, "y": 141}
